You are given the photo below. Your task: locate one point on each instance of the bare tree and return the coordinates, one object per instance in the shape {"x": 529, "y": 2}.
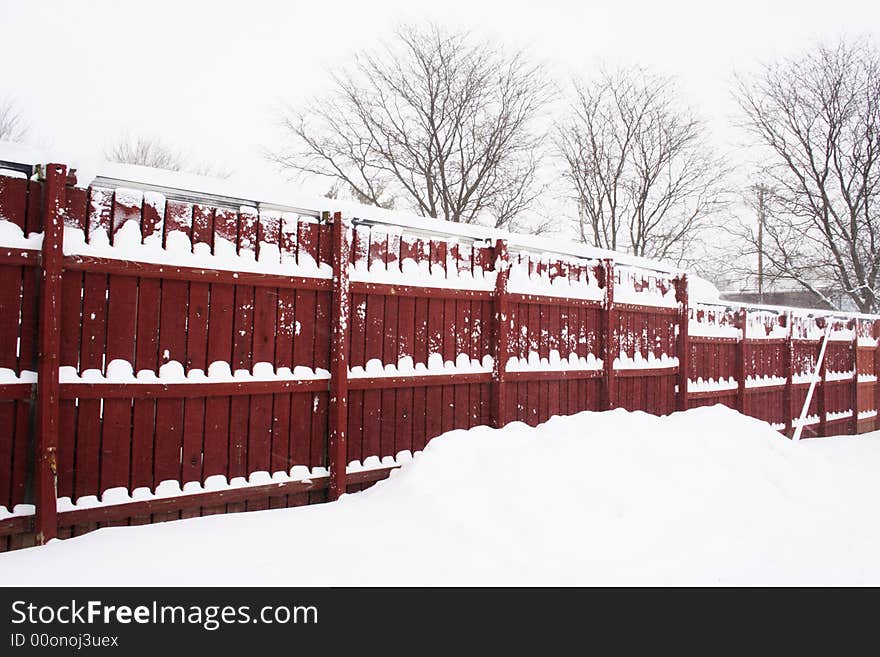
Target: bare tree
{"x": 149, "y": 152}
{"x": 210, "y": 169}
{"x": 145, "y": 152}
{"x": 638, "y": 166}
{"x": 12, "y": 125}
{"x": 816, "y": 119}
{"x": 439, "y": 122}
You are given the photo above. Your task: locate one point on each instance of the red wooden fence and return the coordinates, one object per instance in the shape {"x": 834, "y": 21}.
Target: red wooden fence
{"x": 199, "y": 357}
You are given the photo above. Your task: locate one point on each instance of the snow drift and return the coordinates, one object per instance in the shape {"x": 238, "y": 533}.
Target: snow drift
{"x": 702, "y": 497}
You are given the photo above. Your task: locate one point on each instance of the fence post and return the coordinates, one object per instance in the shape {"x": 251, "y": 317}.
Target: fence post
{"x": 681, "y": 285}
{"x": 787, "y": 365}
{"x": 877, "y": 373}
{"x": 855, "y": 379}
{"x": 740, "y": 361}
{"x": 502, "y": 335}
{"x": 46, "y": 478}
{"x": 609, "y": 398}
{"x": 340, "y": 306}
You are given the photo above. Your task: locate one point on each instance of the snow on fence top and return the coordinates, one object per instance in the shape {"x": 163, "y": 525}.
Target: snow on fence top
{"x": 263, "y": 196}
{"x": 635, "y": 286}
{"x": 539, "y": 265}
{"x": 174, "y": 246}
{"x": 550, "y": 274}
{"x": 772, "y": 322}
{"x": 712, "y": 321}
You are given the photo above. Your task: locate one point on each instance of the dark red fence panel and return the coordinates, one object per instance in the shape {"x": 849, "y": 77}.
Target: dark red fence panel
{"x": 196, "y": 352}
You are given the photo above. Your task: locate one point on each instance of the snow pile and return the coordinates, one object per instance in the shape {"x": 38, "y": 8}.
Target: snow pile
{"x": 523, "y": 282}
{"x": 13, "y": 237}
{"x": 172, "y": 488}
{"x": 10, "y": 173}
{"x": 806, "y": 327}
{"x": 375, "y": 463}
{"x": 640, "y": 362}
{"x": 641, "y": 288}
{"x": 17, "y": 511}
{"x": 702, "y": 497}
{"x": 762, "y": 324}
{"x": 121, "y": 371}
{"x": 712, "y": 385}
{"x": 810, "y": 419}
{"x": 712, "y": 321}
{"x": 831, "y": 375}
{"x": 765, "y": 381}
{"x": 701, "y": 290}
{"x": 841, "y": 330}
{"x": 422, "y": 274}
{"x": 463, "y": 364}
{"x": 554, "y": 363}
{"x": 179, "y": 251}
{"x": 805, "y": 377}
{"x": 8, "y": 376}
{"x": 377, "y": 258}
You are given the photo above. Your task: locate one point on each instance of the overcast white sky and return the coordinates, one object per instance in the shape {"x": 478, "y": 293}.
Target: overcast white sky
{"x": 209, "y": 77}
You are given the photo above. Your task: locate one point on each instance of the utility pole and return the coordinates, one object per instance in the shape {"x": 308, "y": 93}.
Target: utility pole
{"x": 761, "y": 191}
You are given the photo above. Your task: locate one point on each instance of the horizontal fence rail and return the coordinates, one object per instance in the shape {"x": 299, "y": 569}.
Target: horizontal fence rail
{"x": 164, "y": 357}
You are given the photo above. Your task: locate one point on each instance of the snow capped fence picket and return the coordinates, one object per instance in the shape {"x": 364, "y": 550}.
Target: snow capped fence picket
{"x": 212, "y": 355}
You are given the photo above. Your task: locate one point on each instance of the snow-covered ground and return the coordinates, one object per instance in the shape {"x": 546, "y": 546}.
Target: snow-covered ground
{"x": 702, "y": 497}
